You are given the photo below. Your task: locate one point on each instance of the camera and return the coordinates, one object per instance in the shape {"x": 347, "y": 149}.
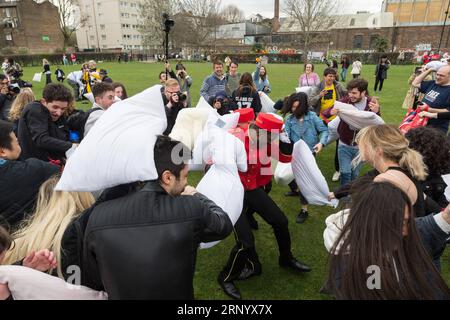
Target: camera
{"x": 168, "y": 23}
{"x": 182, "y": 96}
{"x": 14, "y": 88}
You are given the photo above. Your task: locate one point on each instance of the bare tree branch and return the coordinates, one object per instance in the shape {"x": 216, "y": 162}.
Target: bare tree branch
{"x": 233, "y": 14}
{"x": 68, "y": 21}
{"x": 313, "y": 17}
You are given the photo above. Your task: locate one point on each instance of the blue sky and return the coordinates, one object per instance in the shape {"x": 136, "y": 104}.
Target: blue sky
{"x": 265, "y": 7}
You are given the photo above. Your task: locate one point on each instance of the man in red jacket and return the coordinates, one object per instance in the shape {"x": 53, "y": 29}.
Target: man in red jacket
{"x": 260, "y": 140}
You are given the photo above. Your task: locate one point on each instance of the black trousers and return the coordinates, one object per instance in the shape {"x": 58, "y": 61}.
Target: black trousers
{"x": 378, "y": 81}
{"x": 293, "y": 186}
{"x": 244, "y": 252}
{"x": 336, "y": 157}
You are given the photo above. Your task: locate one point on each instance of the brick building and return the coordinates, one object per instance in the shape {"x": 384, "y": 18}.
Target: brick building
{"x": 31, "y": 25}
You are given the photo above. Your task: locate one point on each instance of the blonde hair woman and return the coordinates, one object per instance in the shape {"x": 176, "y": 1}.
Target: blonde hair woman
{"x": 386, "y": 149}
{"x": 48, "y": 73}
{"x": 25, "y": 96}
{"x": 45, "y": 229}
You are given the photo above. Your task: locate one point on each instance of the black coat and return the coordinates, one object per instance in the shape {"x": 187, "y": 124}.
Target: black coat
{"x": 39, "y": 136}
{"x": 19, "y": 185}
{"x": 144, "y": 245}
{"x": 6, "y": 101}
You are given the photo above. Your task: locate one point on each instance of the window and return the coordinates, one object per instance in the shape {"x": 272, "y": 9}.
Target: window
{"x": 133, "y": 5}
{"x": 99, "y": 5}
{"x": 103, "y": 36}
{"x": 357, "y": 42}
{"x": 125, "y": 15}
{"x": 104, "y": 46}
{"x": 102, "y": 27}
{"x": 352, "y": 22}
{"x": 134, "y": 15}
{"x": 8, "y": 37}
{"x": 7, "y": 12}
{"x": 235, "y": 29}
{"x": 100, "y": 14}
{"x": 375, "y": 21}
{"x": 91, "y": 37}
{"x": 373, "y": 40}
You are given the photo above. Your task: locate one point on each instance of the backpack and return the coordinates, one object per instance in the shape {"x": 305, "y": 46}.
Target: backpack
{"x": 77, "y": 120}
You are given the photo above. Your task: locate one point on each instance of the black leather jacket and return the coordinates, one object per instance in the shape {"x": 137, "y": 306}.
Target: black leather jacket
{"x": 144, "y": 245}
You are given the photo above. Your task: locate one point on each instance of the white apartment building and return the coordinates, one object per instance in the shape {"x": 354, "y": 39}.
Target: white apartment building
{"x": 110, "y": 24}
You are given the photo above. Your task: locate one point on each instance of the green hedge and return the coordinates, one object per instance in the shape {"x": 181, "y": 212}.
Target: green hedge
{"x": 29, "y": 60}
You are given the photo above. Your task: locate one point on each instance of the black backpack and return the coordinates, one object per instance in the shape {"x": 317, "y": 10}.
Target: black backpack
{"x": 77, "y": 120}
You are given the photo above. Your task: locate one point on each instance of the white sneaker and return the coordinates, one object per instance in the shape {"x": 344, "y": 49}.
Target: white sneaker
{"x": 336, "y": 176}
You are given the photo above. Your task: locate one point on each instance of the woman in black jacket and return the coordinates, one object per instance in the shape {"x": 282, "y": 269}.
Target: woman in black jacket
{"x": 246, "y": 96}
{"x": 381, "y": 72}
{"x": 48, "y": 74}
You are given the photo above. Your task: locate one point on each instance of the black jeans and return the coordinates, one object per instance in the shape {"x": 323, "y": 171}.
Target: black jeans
{"x": 244, "y": 252}
{"x": 293, "y": 186}
{"x": 379, "y": 81}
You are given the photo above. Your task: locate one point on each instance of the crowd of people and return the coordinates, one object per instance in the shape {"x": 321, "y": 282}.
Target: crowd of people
{"x": 395, "y": 217}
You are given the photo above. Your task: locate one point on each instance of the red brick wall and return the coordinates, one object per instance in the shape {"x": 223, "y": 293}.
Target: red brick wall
{"x": 36, "y": 20}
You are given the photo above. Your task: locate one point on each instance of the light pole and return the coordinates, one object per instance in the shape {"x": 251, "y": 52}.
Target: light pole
{"x": 443, "y": 27}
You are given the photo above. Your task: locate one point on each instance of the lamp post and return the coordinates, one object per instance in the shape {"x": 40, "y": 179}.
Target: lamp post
{"x": 443, "y": 27}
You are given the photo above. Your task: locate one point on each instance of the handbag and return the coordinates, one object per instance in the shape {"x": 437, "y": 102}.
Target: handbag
{"x": 413, "y": 120}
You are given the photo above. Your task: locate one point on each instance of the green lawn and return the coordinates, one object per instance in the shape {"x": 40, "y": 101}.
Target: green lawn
{"x": 307, "y": 241}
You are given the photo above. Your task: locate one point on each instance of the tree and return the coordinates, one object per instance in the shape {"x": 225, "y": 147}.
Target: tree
{"x": 152, "y": 28}
{"x": 313, "y": 16}
{"x": 381, "y": 44}
{"x": 233, "y": 14}
{"x": 201, "y": 18}
{"x": 69, "y": 20}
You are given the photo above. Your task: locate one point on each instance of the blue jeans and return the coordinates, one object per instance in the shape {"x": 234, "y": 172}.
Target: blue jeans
{"x": 346, "y": 155}
{"x": 344, "y": 74}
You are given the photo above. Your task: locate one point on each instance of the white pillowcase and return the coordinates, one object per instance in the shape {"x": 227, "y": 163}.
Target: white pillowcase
{"x": 308, "y": 176}
{"x": 119, "y": 147}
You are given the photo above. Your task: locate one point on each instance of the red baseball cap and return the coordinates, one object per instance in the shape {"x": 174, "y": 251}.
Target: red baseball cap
{"x": 268, "y": 122}
{"x": 245, "y": 114}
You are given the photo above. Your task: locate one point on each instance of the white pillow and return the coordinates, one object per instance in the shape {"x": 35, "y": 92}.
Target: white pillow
{"x": 221, "y": 183}
{"x": 283, "y": 174}
{"x": 119, "y": 148}
{"x": 357, "y": 119}
{"x": 308, "y": 176}
{"x": 267, "y": 103}
{"x": 29, "y": 284}
{"x": 190, "y": 122}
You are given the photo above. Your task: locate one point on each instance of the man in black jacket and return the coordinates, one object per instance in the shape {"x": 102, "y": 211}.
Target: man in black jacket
{"x": 144, "y": 245}
{"x": 7, "y": 96}
{"x": 43, "y": 133}
{"x": 19, "y": 180}
{"x": 174, "y": 101}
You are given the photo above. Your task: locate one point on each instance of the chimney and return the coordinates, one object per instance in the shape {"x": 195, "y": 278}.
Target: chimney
{"x": 276, "y": 18}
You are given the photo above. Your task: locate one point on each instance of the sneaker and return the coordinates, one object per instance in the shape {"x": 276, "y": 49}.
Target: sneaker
{"x": 302, "y": 216}
{"x": 336, "y": 176}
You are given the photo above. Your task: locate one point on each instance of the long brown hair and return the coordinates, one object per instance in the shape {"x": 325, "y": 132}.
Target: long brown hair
{"x": 374, "y": 236}
{"x": 246, "y": 81}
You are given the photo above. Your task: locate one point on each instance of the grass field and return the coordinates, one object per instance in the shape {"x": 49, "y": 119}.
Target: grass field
{"x": 307, "y": 242}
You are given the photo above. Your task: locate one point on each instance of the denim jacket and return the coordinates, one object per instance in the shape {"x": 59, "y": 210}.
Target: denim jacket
{"x": 309, "y": 131}
{"x": 260, "y": 83}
